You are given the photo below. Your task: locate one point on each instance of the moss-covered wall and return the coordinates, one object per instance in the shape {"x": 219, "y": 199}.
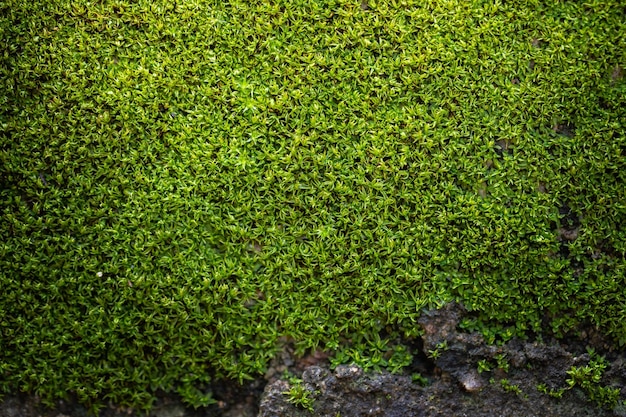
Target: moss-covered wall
{"x": 183, "y": 182}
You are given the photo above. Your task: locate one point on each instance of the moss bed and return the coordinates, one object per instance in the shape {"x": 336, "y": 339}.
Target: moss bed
{"x": 185, "y": 182}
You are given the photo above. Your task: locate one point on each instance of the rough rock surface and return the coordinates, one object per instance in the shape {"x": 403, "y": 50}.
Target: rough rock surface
{"x": 455, "y": 388}
{"x": 347, "y": 392}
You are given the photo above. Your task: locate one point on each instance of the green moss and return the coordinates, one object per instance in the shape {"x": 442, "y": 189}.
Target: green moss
{"x": 299, "y": 395}
{"x": 509, "y": 387}
{"x": 182, "y": 183}
{"x": 589, "y": 378}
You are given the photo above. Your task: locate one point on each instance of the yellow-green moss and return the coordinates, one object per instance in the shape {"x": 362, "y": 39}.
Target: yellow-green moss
{"x": 183, "y": 182}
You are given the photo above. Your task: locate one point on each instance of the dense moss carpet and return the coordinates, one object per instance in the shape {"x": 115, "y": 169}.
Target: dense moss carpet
{"x": 183, "y": 182}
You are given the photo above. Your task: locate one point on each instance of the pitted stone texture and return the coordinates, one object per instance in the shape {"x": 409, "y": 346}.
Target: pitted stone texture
{"x": 347, "y": 392}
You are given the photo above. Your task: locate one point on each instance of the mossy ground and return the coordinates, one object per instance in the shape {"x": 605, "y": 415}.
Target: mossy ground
{"x": 184, "y": 182}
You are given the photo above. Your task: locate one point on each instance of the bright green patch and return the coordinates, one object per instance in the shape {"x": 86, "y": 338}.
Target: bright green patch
{"x": 419, "y": 379}
{"x": 588, "y": 378}
{"x": 509, "y": 387}
{"x": 438, "y": 350}
{"x": 299, "y": 395}
{"x": 373, "y": 354}
{"x": 484, "y": 366}
{"x": 501, "y": 362}
{"x": 184, "y": 182}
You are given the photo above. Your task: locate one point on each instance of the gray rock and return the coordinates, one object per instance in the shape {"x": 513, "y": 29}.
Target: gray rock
{"x": 347, "y": 392}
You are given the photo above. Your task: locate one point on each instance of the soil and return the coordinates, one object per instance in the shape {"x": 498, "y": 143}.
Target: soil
{"x": 450, "y": 383}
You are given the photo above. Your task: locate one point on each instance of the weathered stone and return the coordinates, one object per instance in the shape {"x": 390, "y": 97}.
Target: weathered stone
{"x": 472, "y": 381}
{"x": 347, "y": 391}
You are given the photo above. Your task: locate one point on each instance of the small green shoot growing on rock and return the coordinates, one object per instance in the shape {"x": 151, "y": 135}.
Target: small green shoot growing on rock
{"x": 543, "y": 388}
{"x": 419, "y": 379}
{"x": 509, "y": 387}
{"x": 484, "y": 366}
{"x": 502, "y": 362}
{"x": 439, "y": 348}
{"x": 299, "y": 395}
{"x": 588, "y": 378}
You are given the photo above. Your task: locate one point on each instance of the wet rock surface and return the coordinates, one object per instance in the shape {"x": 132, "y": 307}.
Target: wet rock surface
{"x": 449, "y": 384}
{"x": 455, "y": 386}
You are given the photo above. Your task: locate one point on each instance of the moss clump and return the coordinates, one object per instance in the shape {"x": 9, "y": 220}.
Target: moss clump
{"x": 589, "y": 378}
{"x": 183, "y": 182}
